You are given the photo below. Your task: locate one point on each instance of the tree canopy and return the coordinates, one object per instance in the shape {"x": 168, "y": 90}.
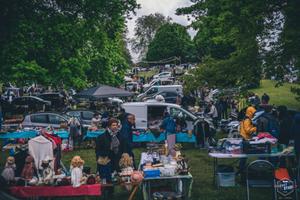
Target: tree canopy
{"x": 171, "y": 40}
{"x": 144, "y": 32}
{"x": 77, "y": 43}
{"x": 232, "y": 35}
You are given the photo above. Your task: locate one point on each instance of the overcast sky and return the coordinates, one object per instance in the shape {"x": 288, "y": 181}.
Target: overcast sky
{"x": 165, "y": 7}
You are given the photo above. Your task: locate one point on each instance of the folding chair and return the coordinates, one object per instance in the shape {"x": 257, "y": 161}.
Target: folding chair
{"x": 260, "y": 174}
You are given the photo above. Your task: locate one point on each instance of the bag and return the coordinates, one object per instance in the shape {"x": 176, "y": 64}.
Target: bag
{"x": 268, "y": 123}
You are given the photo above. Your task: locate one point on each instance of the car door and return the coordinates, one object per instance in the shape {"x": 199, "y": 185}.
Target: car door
{"x": 140, "y": 112}
{"x": 155, "y": 115}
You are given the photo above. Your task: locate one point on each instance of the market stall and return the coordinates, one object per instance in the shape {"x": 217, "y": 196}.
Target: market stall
{"x": 263, "y": 146}
{"x": 166, "y": 174}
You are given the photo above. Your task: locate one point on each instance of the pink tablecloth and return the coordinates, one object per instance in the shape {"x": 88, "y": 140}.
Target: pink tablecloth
{"x": 55, "y": 191}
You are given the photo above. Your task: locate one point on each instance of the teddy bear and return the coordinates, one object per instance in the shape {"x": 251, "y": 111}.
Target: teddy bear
{"x": 76, "y": 171}
{"x": 8, "y": 172}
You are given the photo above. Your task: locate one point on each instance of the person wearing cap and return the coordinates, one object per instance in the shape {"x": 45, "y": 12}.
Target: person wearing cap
{"x": 246, "y": 126}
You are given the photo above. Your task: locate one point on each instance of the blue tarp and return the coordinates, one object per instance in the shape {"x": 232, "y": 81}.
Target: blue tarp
{"x": 63, "y": 134}
{"x": 19, "y": 134}
{"x": 93, "y": 134}
{"x": 149, "y": 137}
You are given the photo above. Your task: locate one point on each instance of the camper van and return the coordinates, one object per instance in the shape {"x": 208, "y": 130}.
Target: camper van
{"x": 155, "y": 89}
{"x": 149, "y": 115}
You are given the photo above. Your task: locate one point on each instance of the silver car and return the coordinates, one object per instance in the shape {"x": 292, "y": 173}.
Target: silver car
{"x": 44, "y": 119}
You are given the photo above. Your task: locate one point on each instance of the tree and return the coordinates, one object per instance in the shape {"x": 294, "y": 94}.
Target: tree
{"x": 228, "y": 39}
{"x": 144, "y": 31}
{"x": 170, "y": 40}
{"x": 66, "y": 40}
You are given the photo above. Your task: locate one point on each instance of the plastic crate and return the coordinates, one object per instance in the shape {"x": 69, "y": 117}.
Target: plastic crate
{"x": 151, "y": 173}
{"x": 226, "y": 179}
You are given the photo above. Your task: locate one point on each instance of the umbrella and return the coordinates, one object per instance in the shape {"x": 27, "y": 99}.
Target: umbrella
{"x": 103, "y": 91}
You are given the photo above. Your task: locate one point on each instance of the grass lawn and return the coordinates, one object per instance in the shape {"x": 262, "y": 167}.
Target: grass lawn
{"x": 279, "y": 95}
{"x": 201, "y": 169}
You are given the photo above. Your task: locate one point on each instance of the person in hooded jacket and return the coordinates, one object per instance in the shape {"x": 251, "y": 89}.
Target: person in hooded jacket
{"x": 246, "y": 126}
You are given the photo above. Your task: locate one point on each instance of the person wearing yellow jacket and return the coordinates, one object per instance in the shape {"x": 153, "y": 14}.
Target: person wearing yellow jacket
{"x": 246, "y": 126}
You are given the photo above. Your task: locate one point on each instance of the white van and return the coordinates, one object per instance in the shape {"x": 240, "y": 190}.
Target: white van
{"x": 155, "y": 89}
{"x": 150, "y": 114}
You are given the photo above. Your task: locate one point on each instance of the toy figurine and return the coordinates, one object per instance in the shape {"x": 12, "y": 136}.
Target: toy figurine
{"x": 8, "y": 172}
{"x": 76, "y": 171}
{"x": 48, "y": 172}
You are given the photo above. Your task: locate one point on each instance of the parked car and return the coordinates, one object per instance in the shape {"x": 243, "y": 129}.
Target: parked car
{"x": 162, "y": 81}
{"x": 56, "y": 99}
{"x": 84, "y": 116}
{"x": 162, "y": 75}
{"x": 155, "y": 89}
{"x": 45, "y": 119}
{"x": 28, "y": 104}
{"x": 170, "y": 97}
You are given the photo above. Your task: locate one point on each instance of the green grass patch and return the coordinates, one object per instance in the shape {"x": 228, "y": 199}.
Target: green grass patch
{"x": 279, "y": 95}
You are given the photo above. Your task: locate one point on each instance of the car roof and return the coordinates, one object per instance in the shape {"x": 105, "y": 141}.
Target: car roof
{"x": 33, "y": 97}
{"x": 150, "y": 103}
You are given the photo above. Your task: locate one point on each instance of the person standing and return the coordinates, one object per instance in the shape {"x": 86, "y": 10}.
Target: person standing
{"x": 169, "y": 127}
{"x": 213, "y": 112}
{"x": 74, "y": 130}
{"x": 109, "y": 148}
{"x": 126, "y": 133}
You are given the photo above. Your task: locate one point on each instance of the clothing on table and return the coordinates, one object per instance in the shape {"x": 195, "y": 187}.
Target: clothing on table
{"x": 40, "y": 148}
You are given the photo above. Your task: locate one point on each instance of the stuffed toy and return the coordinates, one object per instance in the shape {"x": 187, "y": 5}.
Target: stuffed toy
{"x": 29, "y": 168}
{"x": 8, "y": 172}
{"x": 48, "y": 172}
{"x": 76, "y": 171}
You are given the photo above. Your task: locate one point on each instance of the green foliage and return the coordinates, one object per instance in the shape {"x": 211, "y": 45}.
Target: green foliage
{"x": 75, "y": 43}
{"x": 228, "y": 40}
{"x": 29, "y": 70}
{"x": 144, "y": 31}
{"x": 170, "y": 40}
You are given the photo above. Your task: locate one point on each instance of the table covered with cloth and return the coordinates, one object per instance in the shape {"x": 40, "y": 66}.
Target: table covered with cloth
{"x": 55, "y": 191}
{"x": 149, "y": 137}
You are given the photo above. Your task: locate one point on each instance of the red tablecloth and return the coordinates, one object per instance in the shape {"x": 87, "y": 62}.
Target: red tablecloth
{"x": 55, "y": 191}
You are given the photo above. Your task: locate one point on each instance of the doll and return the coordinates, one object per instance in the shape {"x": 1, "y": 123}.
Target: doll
{"x": 8, "y": 172}
{"x": 126, "y": 165}
{"x": 76, "y": 171}
{"x": 47, "y": 172}
{"x": 29, "y": 168}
